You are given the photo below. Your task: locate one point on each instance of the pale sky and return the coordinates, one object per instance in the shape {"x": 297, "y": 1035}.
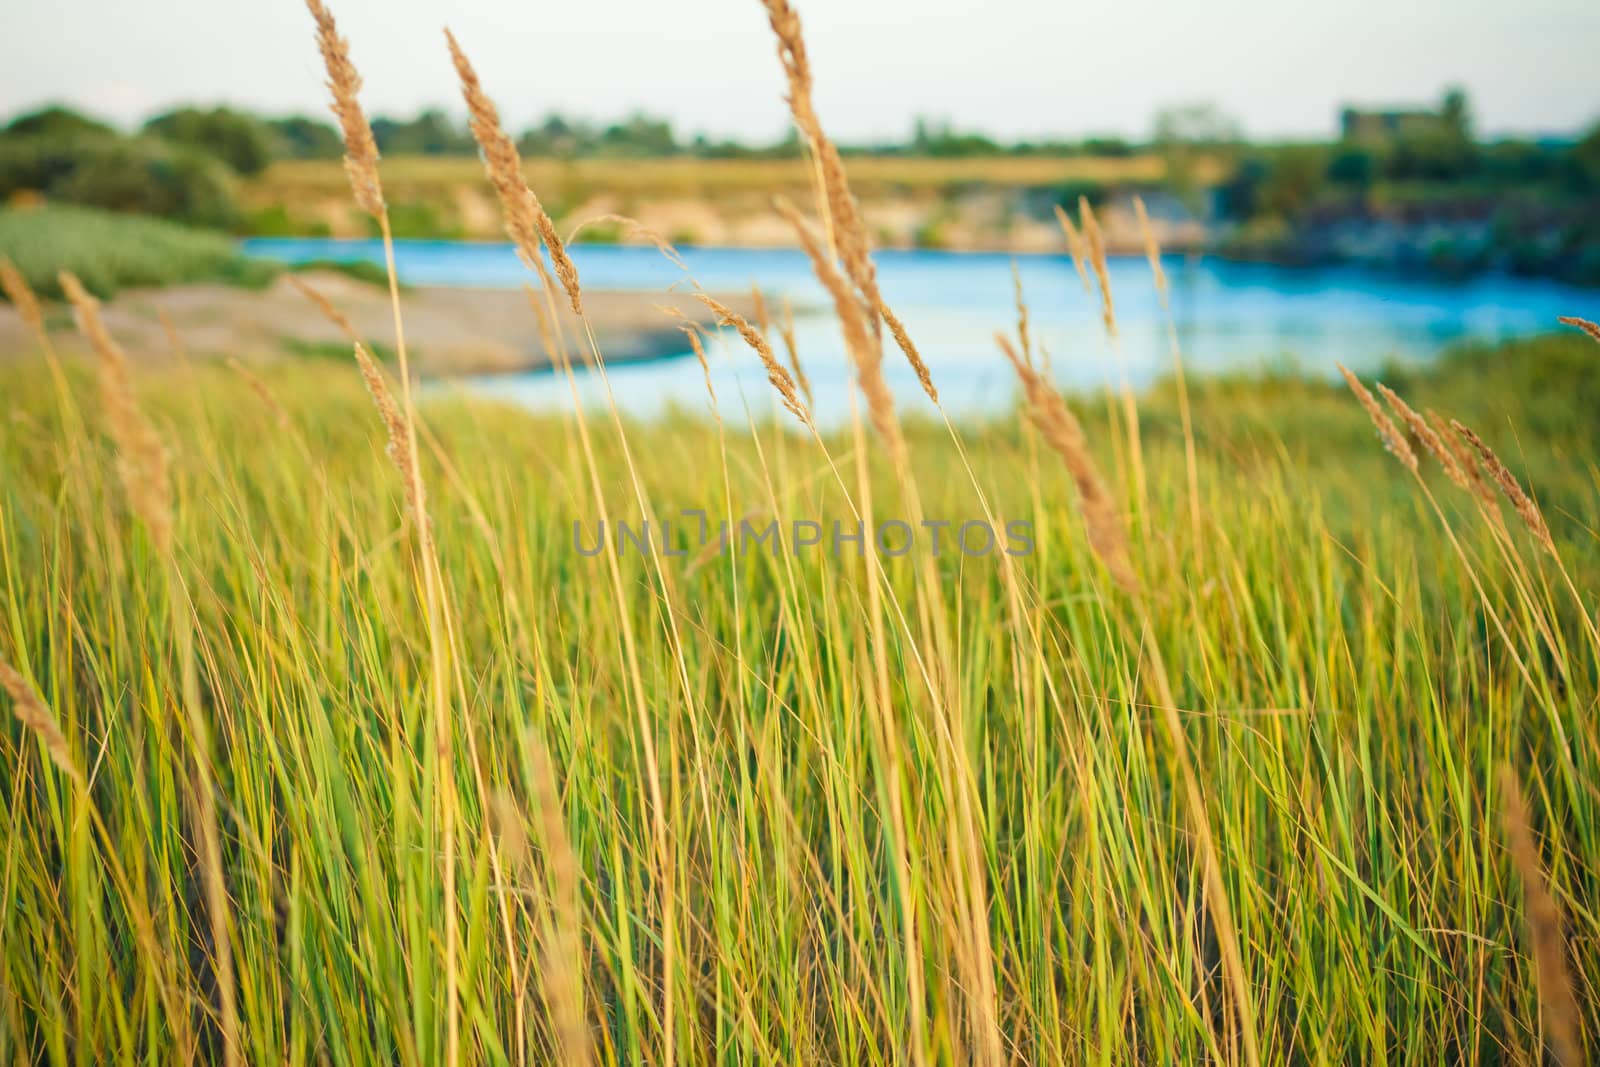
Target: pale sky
{"x": 1012, "y": 68}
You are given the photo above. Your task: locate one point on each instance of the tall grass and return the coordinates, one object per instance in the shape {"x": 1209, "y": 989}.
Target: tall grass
{"x": 338, "y": 756}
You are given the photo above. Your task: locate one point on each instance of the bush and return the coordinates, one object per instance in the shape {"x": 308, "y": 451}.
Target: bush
{"x": 109, "y": 251}
{"x": 241, "y": 141}
{"x": 141, "y": 175}
{"x": 57, "y": 122}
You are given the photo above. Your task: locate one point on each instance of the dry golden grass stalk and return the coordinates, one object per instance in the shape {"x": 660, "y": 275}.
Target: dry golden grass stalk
{"x": 1388, "y": 433}
{"x": 141, "y": 458}
{"x": 903, "y": 339}
{"x": 1510, "y": 488}
{"x": 360, "y": 147}
{"x": 1585, "y": 325}
{"x": 1075, "y": 248}
{"x": 1466, "y": 458}
{"x": 1021, "y": 302}
{"x": 527, "y": 222}
{"x": 21, "y": 295}
{"x": 325, "y": 306}
{"x": 399, "y": 447}
{"x": 35, "y": 715}
{"x": 562, "y": 965}
{"x": 1064, "y": 434}
{"x": 777, "y": 373}
{"x": 1096, "y": 241}
{"x": 849, "y": 229}
{"x": 693, "y": 334}
{"x": 259, "y": 387}
{"x": 1152, "y": 248}
{"x": 861, "y": 344}
{"x": 1558, "y": 1003}
{"x": 763, "y": 318}
{"x": 793, "y": 348}
{"x": 633, "y": 228}
{"x": 1432, "y": 443}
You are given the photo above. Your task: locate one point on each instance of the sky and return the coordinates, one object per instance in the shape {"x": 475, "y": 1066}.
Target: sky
{"x": 1009, "y": 68}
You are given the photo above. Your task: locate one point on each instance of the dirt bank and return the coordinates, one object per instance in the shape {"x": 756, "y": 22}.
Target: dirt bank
{"x": 449, "y": 331}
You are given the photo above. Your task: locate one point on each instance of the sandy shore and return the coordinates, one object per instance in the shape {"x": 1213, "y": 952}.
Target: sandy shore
{"x": 449, "y": 331}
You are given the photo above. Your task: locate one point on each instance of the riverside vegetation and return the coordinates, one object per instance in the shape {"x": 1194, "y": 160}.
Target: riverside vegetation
{"x": 328, "y": 747}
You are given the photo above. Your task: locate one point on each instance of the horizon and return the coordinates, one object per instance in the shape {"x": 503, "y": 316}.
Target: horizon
{"x": 125, "y": 66}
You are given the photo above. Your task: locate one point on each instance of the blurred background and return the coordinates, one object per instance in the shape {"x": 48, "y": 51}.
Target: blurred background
{"x": 1363, "y": 181}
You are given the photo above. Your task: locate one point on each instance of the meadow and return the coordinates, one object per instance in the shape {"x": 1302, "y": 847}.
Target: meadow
{"x": 332, "y": 744}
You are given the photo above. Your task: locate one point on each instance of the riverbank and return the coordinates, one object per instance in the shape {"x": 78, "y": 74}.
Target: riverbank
{"x": 449, "y": 331}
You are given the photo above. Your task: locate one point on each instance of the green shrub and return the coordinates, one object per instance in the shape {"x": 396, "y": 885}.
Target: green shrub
{"x": 109, "y": 251}
{"x": 141, "y": 176}
{"x": 239, "y": 140}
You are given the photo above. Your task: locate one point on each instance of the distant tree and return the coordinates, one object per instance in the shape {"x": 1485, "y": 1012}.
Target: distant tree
{"x": 298, "y": 137}
{"x": 1457, "y": 112}
{"x": 1585, "y": 161}
{"x": 639, "y": 135}
{"x": 1200, "y": 123}
{"x": 1110, "y": 147}
{"x": 56, "y": 121}
{"x": 431, "y": 133}
{"x": 239, "y": 140}
{"x": 1353, "y": 166}
{"x": 1186, "y": 132}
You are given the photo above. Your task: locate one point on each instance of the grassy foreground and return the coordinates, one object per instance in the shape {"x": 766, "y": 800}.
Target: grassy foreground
{"x": 764, "y": 808}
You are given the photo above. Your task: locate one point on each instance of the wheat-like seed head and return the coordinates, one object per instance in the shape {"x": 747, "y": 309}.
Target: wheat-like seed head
{"x": 1152, "y": 248}
{"x": 35, "y": 716}
{"x": 141, "y": 458}
{"x": 527, "y": 222}
{"x": 1064, "y": 434}
{"x": 1466, "y": 458}
{"x": 21, "y": 295}
{"x": 863, "y": 346}
{"x": 777, "y": 373}
{"x": 1510, "y": 488}
{"x": 849, "y": 228}
{"x": 1585, "y": 325}
{"x": 903, "y": 339}
{"x": 693, "y": 334}
{"x": 1021, "y": 302}
{"x": 398, "y": 448}
{"x": 1388, "y": 433}
{"x": 562, "y": 966}
{"x": 1557, "y": 1000}
{"x": 360, "y": 147}
{"x": 1076, "y": 248}
{"x": 763, "y": 317}
{"x": 1431, "y": 441}
{"x": 1096, "y": 242}
{"x": 793, "y": 348}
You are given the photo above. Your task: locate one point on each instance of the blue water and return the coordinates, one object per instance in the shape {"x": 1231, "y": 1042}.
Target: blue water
{"x": 1230, "y": 317}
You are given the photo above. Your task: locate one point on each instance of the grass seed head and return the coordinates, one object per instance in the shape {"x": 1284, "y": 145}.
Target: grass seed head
{"x": 22, "y": 296}
{"x": 527, "y": 222}
{"x": 1064, "y": 434}
{"x": 360, "y": 147}
{"x": 141, "y": 457}
{"x": 35, "y": 716}
{"x": 1388, "y": 433}
{"x": 1558, "y": 1002}
{"x": 1510, "y": 488}
{"x": 1590, "y": 328}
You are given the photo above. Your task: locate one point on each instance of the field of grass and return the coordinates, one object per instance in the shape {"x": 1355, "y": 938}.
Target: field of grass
{"x": 763, "y": 807}
{"x": 336, "y": 741}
